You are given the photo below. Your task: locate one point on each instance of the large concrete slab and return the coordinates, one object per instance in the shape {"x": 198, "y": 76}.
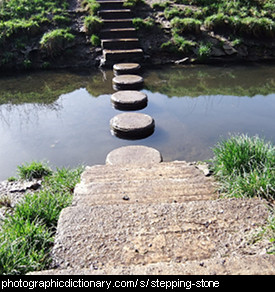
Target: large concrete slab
{"x": 202, "y": 232}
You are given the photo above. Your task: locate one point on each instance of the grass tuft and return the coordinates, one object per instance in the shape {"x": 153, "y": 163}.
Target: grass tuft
{"x": 27, "y": 235}
{"x": 245, "y": 166}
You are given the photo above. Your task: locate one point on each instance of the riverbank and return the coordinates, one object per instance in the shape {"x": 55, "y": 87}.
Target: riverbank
{"x": 169, "y": 32}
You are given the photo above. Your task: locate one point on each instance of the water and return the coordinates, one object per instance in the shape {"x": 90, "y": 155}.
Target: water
{"x": 63, "y": 117}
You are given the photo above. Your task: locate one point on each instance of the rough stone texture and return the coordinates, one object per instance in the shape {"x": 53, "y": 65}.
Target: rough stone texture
{"x": 126, "y": 68}
{"x": 128, "y": 81}
{"x": 163, "y": 182}
{"x": 203, "y": 232}
{"x": 129, "y": 100}
{"x": 132, "y": 125}
{"x": 140, "y": 220}
{"x": 134, "y": 155}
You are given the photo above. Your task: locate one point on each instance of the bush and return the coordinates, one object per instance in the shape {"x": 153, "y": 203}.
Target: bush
{"x": 92, "y": 24}
{"x": 245, "y": 166}
{"x": 54, "y": 42}
{"x": 95, "y": 40}
{"x": 190, "y": 25}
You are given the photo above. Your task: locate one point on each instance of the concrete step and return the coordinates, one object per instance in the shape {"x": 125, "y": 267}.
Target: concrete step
{"x": 122, "y": 44}
{"x": 117, "y": 23}
{"x": 113, "y": 33}
{"x": 166, "y": 182}
{"x": 111, "y": 4}
{"x": 115, "y": 14}
{"x": 113, "y": 56}
{"x": 109, "y": 236}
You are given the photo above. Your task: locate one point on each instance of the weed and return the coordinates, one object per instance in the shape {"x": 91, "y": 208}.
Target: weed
{"x": 95, "y": 40}
{"x": 92, "y": 24}
{"x": 26, "y": 236}
{"x": 189, "y": 25}
{"x": 33, "y": 170}
{"x": 245, "y": 166}
{"x": 204, "y": 51}
{"x": 146, "y": 23}
{"x": 54, "y": 42}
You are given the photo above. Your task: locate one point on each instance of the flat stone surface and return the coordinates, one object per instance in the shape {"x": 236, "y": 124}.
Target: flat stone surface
{"x": 164, "y": 182}
{"x": 126, "y": 68}
{"x": 129, "y": 100}
{"x": 207, "y": 233}
{"x": 132, "y": 125}
{"x": 134, "y": 155}
{"x": 128, "y": 81}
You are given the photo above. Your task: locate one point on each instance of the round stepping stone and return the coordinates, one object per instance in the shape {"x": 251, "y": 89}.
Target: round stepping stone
{"x": 135, "y": 155}
{"x": 126, "y": 68}
{"x": 129, "y": 100}
{"x": 132, "y": 125}
{"x": 127, "y": 82}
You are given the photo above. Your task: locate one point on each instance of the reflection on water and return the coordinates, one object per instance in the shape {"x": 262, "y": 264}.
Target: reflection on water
{"x": 63, "y": 117}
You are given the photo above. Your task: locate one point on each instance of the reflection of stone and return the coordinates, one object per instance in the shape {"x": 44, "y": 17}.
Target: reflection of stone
{"x": 134, "y": 155}
{"x": 132, "y": 125}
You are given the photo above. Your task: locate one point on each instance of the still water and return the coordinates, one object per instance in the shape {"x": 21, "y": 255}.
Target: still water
{"x": 63, "y": 117}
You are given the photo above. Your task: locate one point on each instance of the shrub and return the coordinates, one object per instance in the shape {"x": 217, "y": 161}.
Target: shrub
{"x": 204, "y": 51}
{"x": 190, "y": 25}
{"x": 91, "y": 5}
{"x": 146, "y": 23}
{"x": 95, "y": 40}
{"x": 55, "y": 41}
{"x": 92, "y": 24}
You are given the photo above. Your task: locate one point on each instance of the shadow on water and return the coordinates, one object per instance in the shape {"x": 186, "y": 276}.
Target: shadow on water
{"x": 63, "y": 117}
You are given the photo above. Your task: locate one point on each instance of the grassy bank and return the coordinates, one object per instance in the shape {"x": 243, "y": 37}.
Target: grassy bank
{"x": 245, "y": 167}
{"x": 27, "y": 234}
{"x": 201, "y": 29}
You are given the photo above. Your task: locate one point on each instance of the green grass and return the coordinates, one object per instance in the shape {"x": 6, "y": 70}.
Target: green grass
{"x": 245, "y": 166}
{"x": 92, "y": 24}
{"x": 32, "y": 170}
{"x": 55, "y": 41}
{"x": 27, "y": 236}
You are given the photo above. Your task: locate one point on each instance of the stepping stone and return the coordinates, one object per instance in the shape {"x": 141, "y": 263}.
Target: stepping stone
{"x": 134, "y": 155}
{"x": 128, "y": 81}
{"x": 129, "y": 100}
{"x": 132, "y": 125}
{"x": 126, "y": 68}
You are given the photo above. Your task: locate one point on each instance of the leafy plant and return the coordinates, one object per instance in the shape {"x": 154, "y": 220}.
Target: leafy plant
{"x": 92, "y": 24}
{"x": 33, "y": 170}
{"x": 54, "y": 42}
{"x": 245, "y": 166}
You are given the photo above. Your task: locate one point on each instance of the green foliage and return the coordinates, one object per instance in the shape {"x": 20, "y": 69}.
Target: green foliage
{"x": 178, "y": 44}
{"x": 33, "y": 170}
{"x": 92, "y": 24}
{"x": 245, "y": 166}
{"x": 133, "y": 3}
{"x": 91, "y": 5}
{"x": 183, "y": 25}
{"x": 146, "y": 23}
{"x": 204, "y": 51}
{"x": 26, "y": 236}
{"x": 95, "y": 40}
{"x": 54, "y": 42}
{"x": 17, "y": 16}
